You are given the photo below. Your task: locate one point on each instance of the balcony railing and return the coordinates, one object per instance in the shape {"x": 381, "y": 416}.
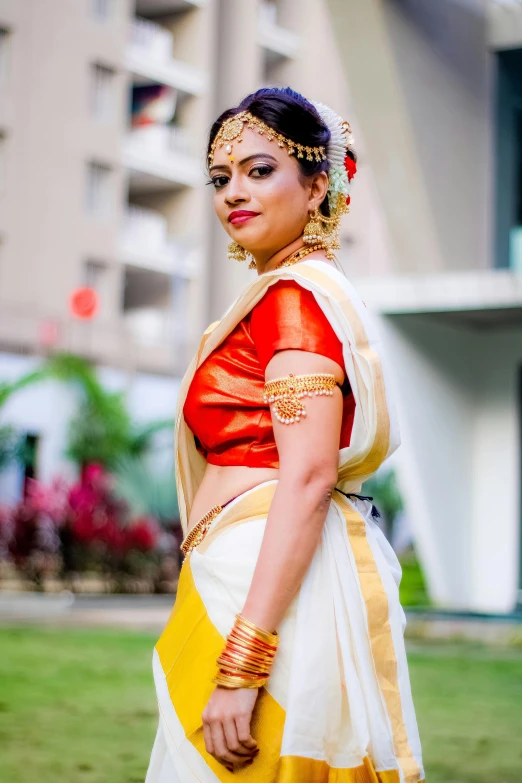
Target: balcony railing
{"x": 158, "y": 158}
{"x": 166, "y": 6}
{"x": 145, "y": 243}
{"x": 151, "y": 326}
{"x": 150, "y": 57}
{"x": 277, "y": 40}
{"x": 153, "y": 39}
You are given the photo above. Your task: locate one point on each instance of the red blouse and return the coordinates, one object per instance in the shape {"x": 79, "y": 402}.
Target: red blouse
{"x": 224, "y": 408}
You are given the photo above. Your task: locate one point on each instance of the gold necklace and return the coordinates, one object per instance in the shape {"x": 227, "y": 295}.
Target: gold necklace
{"x": 297, "y": 255}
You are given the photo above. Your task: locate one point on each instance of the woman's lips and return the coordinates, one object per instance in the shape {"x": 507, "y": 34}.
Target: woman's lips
{"x": 241, "y": 216}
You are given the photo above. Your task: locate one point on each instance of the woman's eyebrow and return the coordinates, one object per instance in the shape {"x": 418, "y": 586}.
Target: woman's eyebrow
{"x": 263, "y": 155}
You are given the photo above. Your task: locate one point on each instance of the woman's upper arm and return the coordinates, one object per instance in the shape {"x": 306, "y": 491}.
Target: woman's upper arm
{"x": 292, "y": 335}
{"x": 309, "y": 449}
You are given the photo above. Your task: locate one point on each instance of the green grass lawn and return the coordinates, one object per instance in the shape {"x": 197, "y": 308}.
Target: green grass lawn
{"x": 79, "y": 707}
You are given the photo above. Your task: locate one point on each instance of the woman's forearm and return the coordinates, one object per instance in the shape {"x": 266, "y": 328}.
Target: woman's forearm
{"x": 293, "y": 530}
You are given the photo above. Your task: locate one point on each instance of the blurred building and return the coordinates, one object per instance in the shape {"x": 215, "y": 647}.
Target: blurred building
{"x": 105, "y": 107}
{"x": 437, "y": 89}
{"x": 104, "y": 110}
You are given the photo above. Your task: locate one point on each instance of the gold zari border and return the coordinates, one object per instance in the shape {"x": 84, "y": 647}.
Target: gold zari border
{"x": 190, "y": 645}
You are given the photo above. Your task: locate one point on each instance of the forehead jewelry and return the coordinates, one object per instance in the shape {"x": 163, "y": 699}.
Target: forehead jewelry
{"x": 232, "y": 130}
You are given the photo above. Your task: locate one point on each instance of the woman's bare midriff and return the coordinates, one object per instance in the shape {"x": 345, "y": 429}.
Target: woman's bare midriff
{"x": 222, "y": 483}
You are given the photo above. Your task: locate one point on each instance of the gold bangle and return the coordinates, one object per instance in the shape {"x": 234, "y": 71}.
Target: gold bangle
{"x": 285, "y": 394}
{"x": 248, "y": 656}
{"x": 243, "y": 623}
{"x": 228, "y": 681}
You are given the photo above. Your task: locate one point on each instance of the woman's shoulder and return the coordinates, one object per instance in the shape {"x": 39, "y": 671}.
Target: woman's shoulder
{"x": 281, "y": 296}
{"x": 288, "y": 316}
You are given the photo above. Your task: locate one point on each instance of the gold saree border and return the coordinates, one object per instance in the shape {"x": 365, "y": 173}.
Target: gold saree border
{"x": 188, "y": 649}
{"x": 381, "y": 638}
{"x": 381, "y": 443}
{"x": 190, "y": 645}
{"x": 296, "y": 769}
{"x": 254, "y": 504}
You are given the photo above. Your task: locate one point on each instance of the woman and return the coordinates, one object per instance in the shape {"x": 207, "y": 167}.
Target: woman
{"x": 283, "y": 660}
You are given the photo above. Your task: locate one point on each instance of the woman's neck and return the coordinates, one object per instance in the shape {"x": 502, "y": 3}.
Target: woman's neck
{"x": 267, "y": 264}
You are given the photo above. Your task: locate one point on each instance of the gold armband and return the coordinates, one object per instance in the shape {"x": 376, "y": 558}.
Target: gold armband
{"x": 285, "y": 394}
{"x": 248, "y": 656}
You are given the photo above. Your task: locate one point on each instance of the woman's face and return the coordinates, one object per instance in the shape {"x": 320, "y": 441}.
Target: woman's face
{"x": 260, "y": 197}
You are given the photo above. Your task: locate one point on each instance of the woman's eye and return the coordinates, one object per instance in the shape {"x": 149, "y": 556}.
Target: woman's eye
{"x": 261, "y": 171}
{"x": 219, "y": 182}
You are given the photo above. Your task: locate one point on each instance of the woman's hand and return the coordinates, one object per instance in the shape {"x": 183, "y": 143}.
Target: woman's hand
{"x": 226, "y": 726}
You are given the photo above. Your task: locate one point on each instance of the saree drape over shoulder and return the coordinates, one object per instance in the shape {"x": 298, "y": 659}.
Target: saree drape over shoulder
{"x": 337, "y": 707}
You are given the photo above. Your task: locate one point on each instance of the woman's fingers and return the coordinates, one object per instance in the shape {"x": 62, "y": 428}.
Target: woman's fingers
{"x": 243, "y": 731}
{"x": 233, "y": 742}
{"x": 221, "y": 751}
{"x": 207, "y": 734}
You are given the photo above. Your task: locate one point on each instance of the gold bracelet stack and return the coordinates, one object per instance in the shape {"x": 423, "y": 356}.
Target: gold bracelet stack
{"x": 197, "y": 534}
{"x": 284, "y": 394}
{"x": 248, "y": 656}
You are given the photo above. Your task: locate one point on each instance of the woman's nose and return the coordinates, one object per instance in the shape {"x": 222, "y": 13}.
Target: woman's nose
{"x": 236, "y": 191}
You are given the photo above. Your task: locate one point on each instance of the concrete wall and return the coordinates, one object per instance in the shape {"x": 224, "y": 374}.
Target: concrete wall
{"x": 419, "y": 74}
{"x": 459, "y": 463}
{"x": 443, "y": 66}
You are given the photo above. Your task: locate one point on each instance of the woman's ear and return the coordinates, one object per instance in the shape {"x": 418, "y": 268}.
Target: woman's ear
{"x": 318, "y": 190}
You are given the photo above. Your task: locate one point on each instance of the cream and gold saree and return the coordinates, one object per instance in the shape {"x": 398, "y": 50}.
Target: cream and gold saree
{"x": 337, "y": 707}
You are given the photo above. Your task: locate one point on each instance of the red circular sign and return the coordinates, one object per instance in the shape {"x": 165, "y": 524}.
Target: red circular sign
{"x": 84, "y": 303}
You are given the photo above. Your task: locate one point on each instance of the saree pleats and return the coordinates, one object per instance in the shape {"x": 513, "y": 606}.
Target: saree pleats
{"x": 336, "y": 708}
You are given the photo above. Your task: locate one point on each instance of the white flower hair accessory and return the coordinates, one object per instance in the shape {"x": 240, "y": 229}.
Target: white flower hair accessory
{"x": 342, "y": 166}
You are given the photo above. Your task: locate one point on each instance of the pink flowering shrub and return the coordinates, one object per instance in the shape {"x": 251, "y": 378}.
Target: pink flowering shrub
{"x": 85, "y": 527}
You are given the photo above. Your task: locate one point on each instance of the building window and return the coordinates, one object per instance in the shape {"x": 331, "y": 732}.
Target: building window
{"x": 102, "y": 92}
{"x": 509, "y": 159}
{"x": 5, "y": 44}
{"x": 102, "y": 9}
{"x": 98, "y": 189}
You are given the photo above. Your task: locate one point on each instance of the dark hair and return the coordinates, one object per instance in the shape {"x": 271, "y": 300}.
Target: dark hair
{"x": 289, "y": 113}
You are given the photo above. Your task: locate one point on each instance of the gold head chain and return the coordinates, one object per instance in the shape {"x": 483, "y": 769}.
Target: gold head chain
{"x": 232, "y": 129}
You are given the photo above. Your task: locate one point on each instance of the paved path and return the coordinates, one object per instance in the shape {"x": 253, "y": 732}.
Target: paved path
{"x": 151, "y": 612}
{"x": 139, "y": 613}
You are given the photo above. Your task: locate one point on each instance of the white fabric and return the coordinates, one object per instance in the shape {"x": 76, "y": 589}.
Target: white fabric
{"x": 324, "y": 673}
{"x": 174, "y": 759}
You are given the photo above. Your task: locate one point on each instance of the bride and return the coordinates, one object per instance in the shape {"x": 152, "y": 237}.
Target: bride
{"x": 283, "y": 660}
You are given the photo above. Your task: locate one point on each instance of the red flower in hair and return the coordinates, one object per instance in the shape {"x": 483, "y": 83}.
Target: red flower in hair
{"x": 351, "y": 167}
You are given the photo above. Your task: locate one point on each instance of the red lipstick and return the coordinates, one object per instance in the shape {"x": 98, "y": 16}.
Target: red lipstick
{"x": 241, "y": 216}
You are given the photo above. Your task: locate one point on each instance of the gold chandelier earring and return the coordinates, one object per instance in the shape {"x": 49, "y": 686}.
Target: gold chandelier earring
{"x": 314, "y": 231}
{"x": 237, "y": 252}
